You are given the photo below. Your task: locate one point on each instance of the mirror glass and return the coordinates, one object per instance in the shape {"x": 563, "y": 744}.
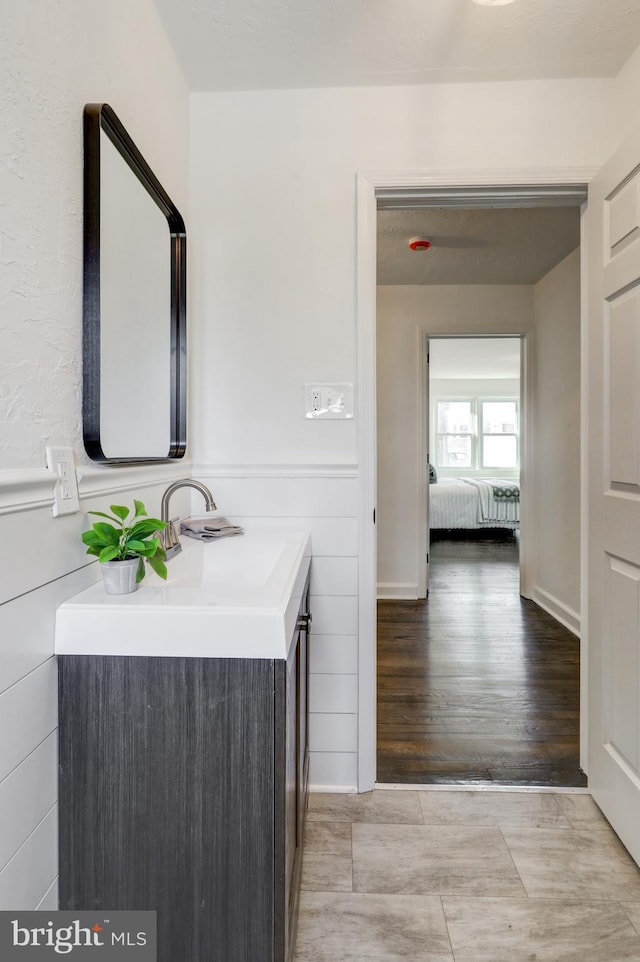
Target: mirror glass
{"x": 134, "y": 298}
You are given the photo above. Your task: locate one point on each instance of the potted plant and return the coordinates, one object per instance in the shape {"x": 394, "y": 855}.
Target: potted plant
{"x": 123, "y": 543}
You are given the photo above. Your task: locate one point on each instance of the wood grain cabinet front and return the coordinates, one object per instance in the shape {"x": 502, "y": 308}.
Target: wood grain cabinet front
{"x": 183, "y": 786}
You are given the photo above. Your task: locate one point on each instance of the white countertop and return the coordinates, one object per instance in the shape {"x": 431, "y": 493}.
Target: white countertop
{"x": 236, "y": 597}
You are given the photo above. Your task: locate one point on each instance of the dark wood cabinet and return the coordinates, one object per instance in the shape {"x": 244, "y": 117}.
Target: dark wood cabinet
{"x": 183, "y": 786}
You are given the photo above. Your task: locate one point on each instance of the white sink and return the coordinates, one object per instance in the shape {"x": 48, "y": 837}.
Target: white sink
{"x": 237, "y": 597}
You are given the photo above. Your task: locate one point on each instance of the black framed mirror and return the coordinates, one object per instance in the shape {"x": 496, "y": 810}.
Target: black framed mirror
{"x": 134, "y": 302}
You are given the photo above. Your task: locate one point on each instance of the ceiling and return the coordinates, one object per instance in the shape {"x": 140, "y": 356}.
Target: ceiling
{"x": 479, "y": 246}
{"x": 474, "y": 357}
{"x": 273, "y": 44}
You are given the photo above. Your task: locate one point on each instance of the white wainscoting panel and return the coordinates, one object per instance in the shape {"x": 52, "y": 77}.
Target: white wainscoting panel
{"x": 333, "y": 537}
{"x": 322, "y": 499}
{"x": 26, "y": 795}
{"x": 335, "y": 576}
{"x": 49, "y": 901}
{"x": 301, "y": 496}
{"x": 27, "y": 624}
{"x": 334, "y": 614}
{"x": 29, "y": 874}
{"x": 28, "y": 715}
{"x": 333, "y": 733}
{"x": 52, "y": 567}
{"x": 334, "y": 694}
{"x": 333, "y": 654}
{"x": 334, "y": 772}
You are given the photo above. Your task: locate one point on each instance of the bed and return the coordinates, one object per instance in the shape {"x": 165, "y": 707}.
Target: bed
{"x": 473, "y": 503}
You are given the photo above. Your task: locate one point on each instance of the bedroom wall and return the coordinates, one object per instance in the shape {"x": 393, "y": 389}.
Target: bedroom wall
{"x": 404, "y": 314}
{"x": 56, "y": 55}
{"x": 557, "y": 441}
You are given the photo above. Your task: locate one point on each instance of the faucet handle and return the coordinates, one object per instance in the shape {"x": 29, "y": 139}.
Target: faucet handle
{"x": 173, "y": 534}
{"x": 169, "y": 536}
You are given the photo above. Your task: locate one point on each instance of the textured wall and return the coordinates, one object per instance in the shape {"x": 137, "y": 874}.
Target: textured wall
{"x": 56, "y": 55}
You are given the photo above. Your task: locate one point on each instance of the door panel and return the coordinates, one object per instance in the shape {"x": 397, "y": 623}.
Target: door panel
{"x": 622, "y": 337}
{"x": 613, "y": 510}
{"x": 622, "y": 663}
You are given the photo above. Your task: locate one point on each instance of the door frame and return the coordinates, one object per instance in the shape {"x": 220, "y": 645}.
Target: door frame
{"x": 526, "y": 408}
{"x": 369, "y": 184}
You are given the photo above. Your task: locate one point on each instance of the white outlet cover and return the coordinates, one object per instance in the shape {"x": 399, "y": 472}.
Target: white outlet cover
{"x": 324, "y": 401}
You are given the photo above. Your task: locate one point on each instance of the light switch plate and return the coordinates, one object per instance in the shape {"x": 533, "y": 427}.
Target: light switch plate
{"x": 328, "y": 400}
{"x": 60, "y": 463}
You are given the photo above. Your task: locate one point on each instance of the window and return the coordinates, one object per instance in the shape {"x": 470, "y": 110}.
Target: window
{"x": 455, "y": 434}
{"x": 477, "y": 433}
{"x": 499, "y": 435}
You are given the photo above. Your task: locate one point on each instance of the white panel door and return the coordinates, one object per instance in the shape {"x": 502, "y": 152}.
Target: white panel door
{"x": 613, "y": 379}
{"x": 424, "y": 475}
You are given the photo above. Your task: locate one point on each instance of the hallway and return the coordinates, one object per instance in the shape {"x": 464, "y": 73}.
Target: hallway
{"x": 476, "y": 685}
{"x": 465, "y": 876}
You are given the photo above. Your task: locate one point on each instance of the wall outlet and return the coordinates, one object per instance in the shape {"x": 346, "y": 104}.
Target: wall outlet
{"x": 328, "y": 400}
{"x": 66, "y": 498}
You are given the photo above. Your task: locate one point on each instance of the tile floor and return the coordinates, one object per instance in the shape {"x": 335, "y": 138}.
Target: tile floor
{"x": 415, "y": 876}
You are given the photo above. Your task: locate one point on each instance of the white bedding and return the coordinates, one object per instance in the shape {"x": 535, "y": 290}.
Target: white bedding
{"x": 460, "y": 503}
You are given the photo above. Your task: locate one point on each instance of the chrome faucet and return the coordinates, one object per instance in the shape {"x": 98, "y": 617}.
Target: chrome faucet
{"x": 169, "y": 535}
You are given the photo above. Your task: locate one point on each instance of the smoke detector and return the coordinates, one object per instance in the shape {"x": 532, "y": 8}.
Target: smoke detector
{"x": 419, "y": 244}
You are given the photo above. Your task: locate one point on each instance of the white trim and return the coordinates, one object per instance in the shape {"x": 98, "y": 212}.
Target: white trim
{"x": 397, "y": 591}
{"x": 508, "y": 789}
{"x": 366, "y": 270}
{"x": 528, "y": 529}
{"x": 31, "y": 488}
{"x": 334, "y": 789}
{"x": 584, "y": 494}
{"x": 207, "y": 469}
{"x": 473, "y": 177}
{"x": 557, "y": 609}
{"x": 26, "y": 490}
{"x": 422, "y": 448}
{"x": 366, "y": 216}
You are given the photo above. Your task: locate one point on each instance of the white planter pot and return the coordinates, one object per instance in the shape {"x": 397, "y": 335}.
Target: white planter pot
{"x": 119, "y": 577}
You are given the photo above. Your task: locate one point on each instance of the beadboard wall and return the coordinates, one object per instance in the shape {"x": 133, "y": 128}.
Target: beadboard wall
{"x": 38, "y": 579}
{"x": 50, "y": 567}
{"x": 323, "y": 500}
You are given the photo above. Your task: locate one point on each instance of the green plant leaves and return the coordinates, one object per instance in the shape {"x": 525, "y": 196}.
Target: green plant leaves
{"x": 158, "y": 566}
{"x": 109, "y": 553}
{"x": 115, "y": 541}
{"x": 107, "y": 533}
{"x": 145, "y": 528}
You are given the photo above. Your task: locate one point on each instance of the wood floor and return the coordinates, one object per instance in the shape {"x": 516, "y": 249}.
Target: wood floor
{"x": 476, "y": 684}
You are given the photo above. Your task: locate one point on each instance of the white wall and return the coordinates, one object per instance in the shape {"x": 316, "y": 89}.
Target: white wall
{"x": 557, "y": 440}
{"x": 273, "y": 240}
{"x": 403, "y": 312}
{"x": 54, "y": 57}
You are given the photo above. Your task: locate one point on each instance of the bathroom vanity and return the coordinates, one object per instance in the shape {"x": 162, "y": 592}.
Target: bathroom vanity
{"x": 183, "y": 748}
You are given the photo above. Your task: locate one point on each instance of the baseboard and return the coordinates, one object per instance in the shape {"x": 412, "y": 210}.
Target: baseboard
{"x": 334, "y": 789}
{"x": 561, "y": 612}
{"x": 397, "y": 591}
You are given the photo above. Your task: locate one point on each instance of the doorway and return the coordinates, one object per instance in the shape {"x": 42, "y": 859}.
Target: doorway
{"x": 407, "y": 624}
